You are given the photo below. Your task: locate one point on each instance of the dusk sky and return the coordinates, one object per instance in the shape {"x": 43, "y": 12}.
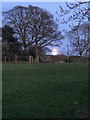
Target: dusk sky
{"x": 52, "y": 7}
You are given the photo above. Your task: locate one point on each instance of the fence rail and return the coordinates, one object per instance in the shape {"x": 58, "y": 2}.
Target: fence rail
{"x": 20, "y": 59}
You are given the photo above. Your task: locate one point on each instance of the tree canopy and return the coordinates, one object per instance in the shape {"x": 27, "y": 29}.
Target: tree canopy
{"x": 33, "y": 26}
{"x": 10, "y": 44}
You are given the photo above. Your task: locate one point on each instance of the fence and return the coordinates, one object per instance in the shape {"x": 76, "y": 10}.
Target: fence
{"x": 20, "y": 59}
{"x": 31, "y": 60}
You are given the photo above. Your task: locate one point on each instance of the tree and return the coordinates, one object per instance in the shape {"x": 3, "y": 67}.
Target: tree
{"x": 78, "y": 16}
{"x": 76, "y": 11}
{"x": 10, "y": 45}
{"x": 79, "y": 40}
{"x": 44, "y": 29}
{"x": 34, "y": 26}
{"x": 17, "y": 18}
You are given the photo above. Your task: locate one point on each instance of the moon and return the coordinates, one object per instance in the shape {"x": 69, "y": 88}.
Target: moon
{"x": 54, "y": 51}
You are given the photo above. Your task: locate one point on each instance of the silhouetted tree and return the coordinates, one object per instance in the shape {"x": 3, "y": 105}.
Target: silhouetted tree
{"x": 10, "y": 45}
{"x": 44, "y": 29}
{"x": 33, "y": 26}
{"x": 77, "y": 14}
{"x": 79, "y": 39}
{"x": 74, "y": 11}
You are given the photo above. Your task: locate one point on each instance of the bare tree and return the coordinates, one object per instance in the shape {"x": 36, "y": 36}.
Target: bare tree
{"x": 44, "y": 29}
{"x": 79, "y": 40}
{"x": 34, "y": 26}
{"x": 76, "y": 11}
{"x": 18, "y": 19}
{"x": 78, "y": 18}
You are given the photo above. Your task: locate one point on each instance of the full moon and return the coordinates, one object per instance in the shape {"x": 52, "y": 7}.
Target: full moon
{"x": 54, "y": 52}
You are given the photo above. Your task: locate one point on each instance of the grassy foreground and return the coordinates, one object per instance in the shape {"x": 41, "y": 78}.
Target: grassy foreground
{"x": 45, "y": 90}
{"x": 0, "y": 90}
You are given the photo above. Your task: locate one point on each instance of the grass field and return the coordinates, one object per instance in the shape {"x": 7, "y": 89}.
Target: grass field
{"x": 0, "y": 90}
{"x": 45, "y": 90}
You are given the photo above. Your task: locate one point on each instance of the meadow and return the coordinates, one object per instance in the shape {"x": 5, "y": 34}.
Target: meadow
{"x": 45, "y": 90}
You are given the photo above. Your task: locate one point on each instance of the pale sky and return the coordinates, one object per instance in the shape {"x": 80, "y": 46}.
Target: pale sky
{"x": 52, "y": 7}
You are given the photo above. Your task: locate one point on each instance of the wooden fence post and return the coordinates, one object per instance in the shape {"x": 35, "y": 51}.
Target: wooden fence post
{"x": 32, "y": 59}
{"x": 29, "y": 59}
{"x": 5, "y": 59}
{"x": 16, "y": 58}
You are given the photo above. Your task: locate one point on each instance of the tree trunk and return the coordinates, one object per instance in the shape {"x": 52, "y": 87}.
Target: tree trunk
{"x": 24, "y": 44}
{"x": 25, "y": 50}
{"x": 37, "y": 53}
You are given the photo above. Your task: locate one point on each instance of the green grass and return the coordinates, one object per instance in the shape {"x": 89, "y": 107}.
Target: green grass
{"x": 44, "y": 90}
{"x": 0, "y": 90}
